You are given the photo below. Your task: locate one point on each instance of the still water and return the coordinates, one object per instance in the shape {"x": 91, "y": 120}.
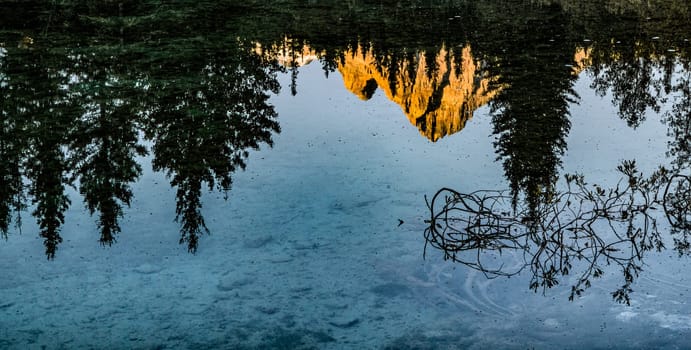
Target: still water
{"x": 263, "y": 175}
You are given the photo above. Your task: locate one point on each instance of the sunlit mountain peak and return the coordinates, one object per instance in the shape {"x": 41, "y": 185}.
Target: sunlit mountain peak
{"x": 582, "y": 59}
{"x": 437, "y": 92}
{"x": 437, "y": 97}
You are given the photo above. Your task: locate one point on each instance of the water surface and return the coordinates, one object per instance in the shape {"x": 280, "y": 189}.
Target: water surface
{"x": 251, "y": 176}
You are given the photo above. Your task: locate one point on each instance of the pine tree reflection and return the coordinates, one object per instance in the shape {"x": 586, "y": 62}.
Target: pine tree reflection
{"x": 531, "y": 113}
{"x": 42, "y": 106}
{"x": 75, "y": 113}
{"x": 581, "y": 228}
{"x": 201, "y": 97}
{"x": 202, "y": 123}
{"x": 104, "y": 140}
{"x": 12, "y": 146}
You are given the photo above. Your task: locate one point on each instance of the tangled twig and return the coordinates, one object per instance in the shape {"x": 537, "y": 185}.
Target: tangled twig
{"x": 585, "y": 226}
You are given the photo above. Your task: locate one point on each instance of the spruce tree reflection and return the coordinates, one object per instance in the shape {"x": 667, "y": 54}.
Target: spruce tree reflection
{"x": 41, "y": 101}
{"x": 75, "y": 112}
{"x": 202, "y": 97}
{"x": 531, "y": 113}
{"x": 12, "y": 146}
{"x": 582, "y": 228}
{"x": 104, "y": 140}
{"x": 203, "y": 123}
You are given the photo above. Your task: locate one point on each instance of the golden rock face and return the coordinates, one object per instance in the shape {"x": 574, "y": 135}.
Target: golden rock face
{"x": 582, "y": 59}
{"x": 438, "y": 99}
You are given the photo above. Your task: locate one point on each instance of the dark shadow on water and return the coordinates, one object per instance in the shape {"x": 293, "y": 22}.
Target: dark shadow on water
{"x": 85, "y": 85}
{"x": 81, "y": 97}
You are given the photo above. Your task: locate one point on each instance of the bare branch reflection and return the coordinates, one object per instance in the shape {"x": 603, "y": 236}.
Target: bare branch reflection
{"x": 580, "y": 230}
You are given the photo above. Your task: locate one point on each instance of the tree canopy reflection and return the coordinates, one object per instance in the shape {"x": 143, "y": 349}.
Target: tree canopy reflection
{"x": 76, "y": 114}
{"x": 86, "y": 84}
{"x": 203, "y": 127}
{"x": 577, "y": 229}
{"x": 104, "y": 140}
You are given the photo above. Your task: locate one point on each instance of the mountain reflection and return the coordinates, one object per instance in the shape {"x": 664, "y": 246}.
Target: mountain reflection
{"x": 438, "y": 91}
{"x": 577, "y": 228}
{"x": 85, "y": 86}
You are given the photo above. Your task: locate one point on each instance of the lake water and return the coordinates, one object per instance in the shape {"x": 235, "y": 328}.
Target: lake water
{"x": 298, "y": 145}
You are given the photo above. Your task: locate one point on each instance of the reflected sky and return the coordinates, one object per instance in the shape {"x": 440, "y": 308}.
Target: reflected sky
{"x": 260, "y": 182}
